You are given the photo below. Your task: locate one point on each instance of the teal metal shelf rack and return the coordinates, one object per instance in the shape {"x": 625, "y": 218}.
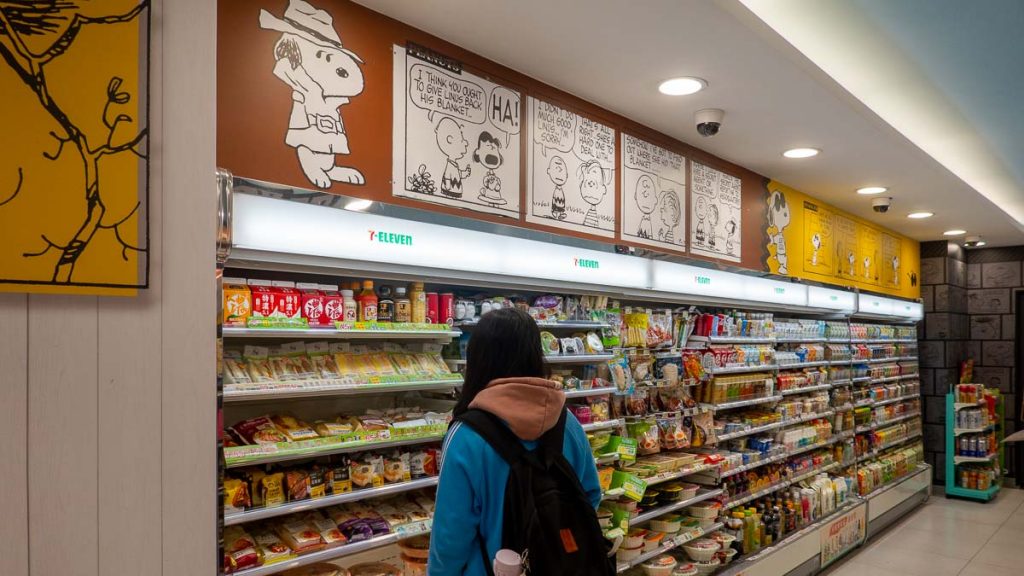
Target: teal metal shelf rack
{"x": 953, "y": 462}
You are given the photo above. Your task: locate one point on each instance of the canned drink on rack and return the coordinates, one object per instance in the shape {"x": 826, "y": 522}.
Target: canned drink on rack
{"x": 446, "y": 313}
{"x": 432, "y": 307}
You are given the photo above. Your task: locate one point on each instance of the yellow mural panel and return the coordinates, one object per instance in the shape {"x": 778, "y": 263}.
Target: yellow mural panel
{"x": 807, "y": 239}
{"x": 74, "y": 156}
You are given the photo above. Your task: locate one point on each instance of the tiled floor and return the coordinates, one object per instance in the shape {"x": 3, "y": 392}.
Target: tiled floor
{"x": 947, "y": 537}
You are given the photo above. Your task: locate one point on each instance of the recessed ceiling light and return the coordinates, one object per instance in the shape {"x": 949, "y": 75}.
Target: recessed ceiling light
{"x": 920, "y": 215}
{"x": 682, "y": 86}
{"x": 954, "y": 232}
{"x": 872, "y": 190}
{"x": 801, "y": 152}
{"x": 981, "y": 243}
{"x": 358, "y": 205}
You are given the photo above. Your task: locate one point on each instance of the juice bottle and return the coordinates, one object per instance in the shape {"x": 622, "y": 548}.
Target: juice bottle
{"x": 385, "y": 305}
{"x": 419, "y": 302}
{"x": 403, "y": 306}
{"x": 368, "y": 303}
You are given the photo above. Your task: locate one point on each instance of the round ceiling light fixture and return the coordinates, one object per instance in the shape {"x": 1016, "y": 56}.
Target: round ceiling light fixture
{"x": 872, "y": 190}
{"x": 956, "y": 232}
{"x": 801, "y": 152}
{"x": 920, "y": 215}
{"x": 682, "y": 86}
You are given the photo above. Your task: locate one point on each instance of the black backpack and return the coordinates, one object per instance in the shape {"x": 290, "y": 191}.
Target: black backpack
{"x": 547, "y": 516}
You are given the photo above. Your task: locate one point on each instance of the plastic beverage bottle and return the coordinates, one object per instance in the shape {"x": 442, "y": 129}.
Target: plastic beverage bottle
{"x": 403, "y": 306}
{"x": 368, "y": 302}
{"x": 351, "y": 309}
{"x": 419, "y": 302}
{"x": 385, "y": 305}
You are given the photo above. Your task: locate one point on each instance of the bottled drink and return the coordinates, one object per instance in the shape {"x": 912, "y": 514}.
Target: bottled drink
{"x": 385, "y": 305}
{"x": 368, "y": 303}
{"x": 403, "y": 306}
{"x": 419, "y": 302}
{"x": 351, "y": 309}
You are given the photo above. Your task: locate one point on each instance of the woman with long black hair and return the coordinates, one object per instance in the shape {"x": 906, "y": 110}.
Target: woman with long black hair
{"x": 505, "y": 376}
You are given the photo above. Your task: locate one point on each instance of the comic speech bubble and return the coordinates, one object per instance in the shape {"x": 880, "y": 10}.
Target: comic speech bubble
{"x": 595, "y": 140}
{"x": 438, "y": 92}
{"x": 504, "y": 111}
{"x": 553, "y": 128}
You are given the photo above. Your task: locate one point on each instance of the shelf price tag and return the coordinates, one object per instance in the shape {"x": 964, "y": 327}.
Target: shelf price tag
{"x": 625, "y": 447}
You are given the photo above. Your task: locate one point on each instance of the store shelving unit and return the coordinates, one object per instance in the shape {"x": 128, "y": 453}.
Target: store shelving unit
{"x": 954, "y": 461}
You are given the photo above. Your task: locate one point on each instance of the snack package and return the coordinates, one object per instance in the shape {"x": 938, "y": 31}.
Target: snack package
{"x": 548, "y": 308}
{"x": 659, "y": 329}
{"x": 641, "y": 365}
{"x": 272, "y": 548}
{"x": 318, "y": 482}
{"x": 240, "y": 550}
{"x": 572, "y": 346}
{"x": 423, "y": 463}
{"x": 258, "y": 430}
{"x": 272, "y": 490}
{"x": 327, "y": 429}
{"x": 693, "y": 366}
{"x": 367, "y": 471}
{"x": 329, "y": 532}
{"x": 300, "y": 535}
{"x": 600, "y": 409}
{"x": 397, "y": 468}
{"x": 703, "y": 430}
{"x": 296, "y": 483}
{"x": 647, "y": 435}
{"x": 293, "y": 428}
{"x": 638, "y": 403}
{"x": 549, "y": 344}
{"x": 236, "y": 495}
{"x": 668, "y": 368}
{"x": 674, "y": 435}
{"x": 611, "y": 336}
{"x": 341, "y": 482}
{"x": 593, "y": 343}
{"x": 618, "y": 369}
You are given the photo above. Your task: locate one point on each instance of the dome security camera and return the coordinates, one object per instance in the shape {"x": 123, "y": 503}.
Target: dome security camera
{"x": 881, "y": 205}
{"x": 973, "y": 242}
{"x": 708, "y": 121}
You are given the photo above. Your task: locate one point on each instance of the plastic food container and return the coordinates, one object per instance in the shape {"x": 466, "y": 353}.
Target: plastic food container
{"x": 415, "y": 566}
{"x": 375, "y": 569}
{"x": 417, "y": 547}
{"x": 722, "y": 538}
{"x": 650, "y": 498}
{"x": 671, "y": 493}
{"x": 652, "y": 540}
{"x": 704, "y": 510}
{"x": 702, "y": 550}
{"x": 668, "y": 524}
{"x": 685, "y": 569}
{"x": 319, "y": 569}
{"x": 726, "y": 555}
{"x": 689, "y": 491}
{"x": 706, "y": 568}
{"x": 659, "y": 566}
{"x": 627, "y": 554}
{"x": 635, "y": 538}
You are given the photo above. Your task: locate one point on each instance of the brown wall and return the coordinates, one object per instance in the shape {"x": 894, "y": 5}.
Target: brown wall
{"x": 252, "y": 113}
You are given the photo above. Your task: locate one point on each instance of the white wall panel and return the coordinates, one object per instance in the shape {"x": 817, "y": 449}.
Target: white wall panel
{"x": 14, "y": 432}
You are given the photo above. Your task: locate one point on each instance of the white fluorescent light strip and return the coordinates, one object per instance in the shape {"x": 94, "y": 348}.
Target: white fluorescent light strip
{"x": 285, "y": 227}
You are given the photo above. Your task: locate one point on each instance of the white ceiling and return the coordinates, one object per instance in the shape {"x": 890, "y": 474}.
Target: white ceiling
{"x": 614, "y": 53}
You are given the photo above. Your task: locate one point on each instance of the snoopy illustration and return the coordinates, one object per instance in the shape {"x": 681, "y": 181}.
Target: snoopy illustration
{"x": 323, "y": 76}
{"x": 778, "y": 217}
{"x": 867, "y": 267}
{"x": 816, "y": 243}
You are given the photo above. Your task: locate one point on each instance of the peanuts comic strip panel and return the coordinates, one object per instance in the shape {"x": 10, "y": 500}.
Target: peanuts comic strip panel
{"x": 715, "y": 214}
{"x": 571, "y": 171}
{"x": 456, "y": 135}
{"x": 653, "y": 194}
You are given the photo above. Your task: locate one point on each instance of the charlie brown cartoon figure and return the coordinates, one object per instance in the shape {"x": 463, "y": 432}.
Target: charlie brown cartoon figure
{"x": 454, "y": 146}
{"x": 700, "y": 232}
{"x": 646, "y": 200}
{"x": 559, "y": 173}
{"x": 323, "y": 76}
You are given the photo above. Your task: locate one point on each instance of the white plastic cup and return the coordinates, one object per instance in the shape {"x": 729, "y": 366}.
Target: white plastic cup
{"x": 508, "y": 563}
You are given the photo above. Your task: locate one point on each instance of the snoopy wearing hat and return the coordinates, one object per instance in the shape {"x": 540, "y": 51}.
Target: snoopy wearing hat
{"x": 323, "y": 76}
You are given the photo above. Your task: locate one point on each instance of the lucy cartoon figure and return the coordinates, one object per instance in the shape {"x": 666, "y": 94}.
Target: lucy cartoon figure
{"x": 593, "y": 189}
{"x": 816, "y": 243}
{"x": 646, "y": 200}
{"x": 488, "y": 154}
{"x": 778, "y": 217}
{"x": 558, "y": 173}
{"x": 867, "y": 267}
{"x": 713, "y": 217}
{"x": 323, "y": 76}
{"x": 670, "y": 213}
{"x": 730, "y": 237}
{"x": 895, "y": 270}
{"x": 454, "y": 146}
{"x": 699, "y": 234}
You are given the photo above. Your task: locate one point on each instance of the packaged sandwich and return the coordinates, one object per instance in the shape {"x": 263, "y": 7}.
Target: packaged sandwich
{"x": 273, "y": 549}
{"x": 293, "y": 428}
{"x": 240, "y": 550}
{"x": 324, "y": 362}
{"x": 257, "y": 364}
{"x": 327, "y": 429}
{"x": 234, "y": 368}
{"x": 300, "y": 535}
{"x": 258, "y": 430}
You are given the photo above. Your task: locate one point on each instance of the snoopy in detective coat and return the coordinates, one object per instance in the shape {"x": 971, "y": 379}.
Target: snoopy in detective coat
{"x": 323, "y": 76}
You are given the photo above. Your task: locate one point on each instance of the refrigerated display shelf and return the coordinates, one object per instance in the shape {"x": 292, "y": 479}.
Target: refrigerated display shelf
{"x": 591, "y": 392}
{"x": 747, "y": 467}
{"x": 741, "y": 340}
{"x": 604, "y": 425}
{"x": 966, "y": 459}
{"x": 903, "y": 398}
{"x": 861, "y": 379}
{"x": 896, "y": 420}
{"x": 959, "y": 431}
{"x": 811, "y": 340}
{"x": 909, "y": 376}
{"x": 805, "y": 389}
{"x": 316, "y": 388}
{"x": 774, "y": 425}
{"x": 742, "y": 403}
{"x": 328, "y": 450}
{"x": 668, "y": 545}
{"x": 778, "y": 486}
{"x": 676, "y": 474}
{"x": 567, "y": 325}
{"x": 337, "y": 552}
{"x": 800, "y": 365}
{"x": 303, "y": 505}
{"x": 743, "y": 369}
{"x": 662, "y": 510}
{"x": 579, "y": 358}
{"x": 332, "y": 333}
{"x": 843, "y": 382}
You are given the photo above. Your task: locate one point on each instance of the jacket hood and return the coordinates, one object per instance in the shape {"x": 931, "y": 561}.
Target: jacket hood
{"x": 530, "y": 406}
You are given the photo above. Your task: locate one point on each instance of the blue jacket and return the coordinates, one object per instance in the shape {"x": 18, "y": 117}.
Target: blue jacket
{"x": 471, "y": 496}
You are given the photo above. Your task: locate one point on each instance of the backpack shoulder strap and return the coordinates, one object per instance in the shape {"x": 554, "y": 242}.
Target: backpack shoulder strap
{"x": 495, "y": 433}
{"x": 553, "y": 441}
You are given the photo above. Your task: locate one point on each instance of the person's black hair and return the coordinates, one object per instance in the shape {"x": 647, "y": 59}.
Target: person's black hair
{"x": 504, "y": 344}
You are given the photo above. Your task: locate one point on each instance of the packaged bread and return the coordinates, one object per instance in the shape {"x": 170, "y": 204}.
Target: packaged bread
{"x": 257, "y": 364}
{"x": 258, "y": 430}
{"x": 367, "y": 471}
{"x": 381, "y": 363}
{"x": 272, "y": 489}
{"x": 318, "y": 482}
{"x": 423, "y": 463}
{"x": 234, "y": 368}
{"x": 240, "y": 550}
{"x": 273, "y": 549}
{"x": 341, "y": 482}
{"x": 293, "y": 428}
{"x": 396, "y": 468}
{"x": 296, "y": 485}
{"x": 300, "y": 535}
{"x": 329, "y": 532}
{"x": 236, "y": 495}
{"x": 323, "y": 361}
{"x": 405, "y": 363}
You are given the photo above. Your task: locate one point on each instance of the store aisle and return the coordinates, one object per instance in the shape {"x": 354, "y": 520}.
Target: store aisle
{"x": 947, "y": 538}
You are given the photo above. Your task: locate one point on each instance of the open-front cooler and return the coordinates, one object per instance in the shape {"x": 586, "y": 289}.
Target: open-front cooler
{"x": 712, "y": 398}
